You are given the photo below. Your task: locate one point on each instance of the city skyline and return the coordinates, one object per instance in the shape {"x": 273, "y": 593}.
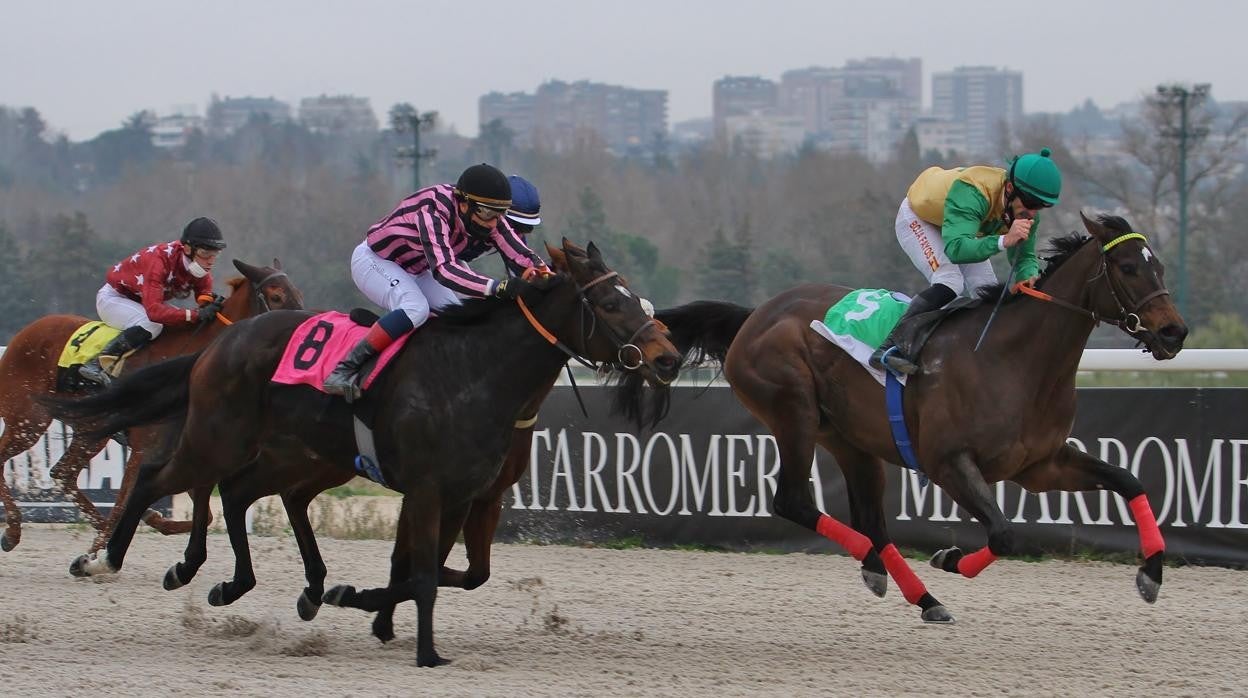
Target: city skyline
{"x": 121, "y": 60}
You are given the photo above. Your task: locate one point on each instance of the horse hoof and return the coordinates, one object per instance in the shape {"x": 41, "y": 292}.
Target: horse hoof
{"x": 876, "y": 582}
{"x": 5, "y": 544}
{"x": 78, "y": 567}
{"x": 383, "y": 629}
{"x": 431, "y": 659}
{"x": 216, "y": 595}
{"x": 947, "y": 559}
{"x": 172, "y": 580}
{"x": 1147, "y": 586}
{"x": 937, "y": 614}
{"x": 334, "y": 596}
{"x": 307, "y": 606}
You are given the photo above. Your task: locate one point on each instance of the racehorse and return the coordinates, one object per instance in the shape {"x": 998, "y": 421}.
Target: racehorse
{"x": 444, "y": 413}
{"x": 975, "y": 418}
{"x": 28, "y": 369}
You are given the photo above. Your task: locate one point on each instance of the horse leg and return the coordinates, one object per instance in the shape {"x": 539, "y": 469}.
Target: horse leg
{"x": 400, "y": 568}
{"x": 76, "y": 456}
{"x": 965, "y": 484}
{"x": 1073, "y": 470}
{"x": 153, "y": 481}
{"x": 236, "y": 496}
{"x": 864, "y": 483}
{"x": 197, "y": 547}
{"x": 789, "y": 411}
{"x": 296, "y": 502}
{"x": 485, "y": 513}
{"x": 20, "y": 433}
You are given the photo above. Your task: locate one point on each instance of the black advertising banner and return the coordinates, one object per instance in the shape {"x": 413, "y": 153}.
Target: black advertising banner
{"x": 705, "y": 476}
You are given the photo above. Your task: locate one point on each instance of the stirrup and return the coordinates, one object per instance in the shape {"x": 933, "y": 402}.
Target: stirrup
{"x": 349, "y": 389}
{"x": 893, "y": 360}
{"x": 94, "y": 372}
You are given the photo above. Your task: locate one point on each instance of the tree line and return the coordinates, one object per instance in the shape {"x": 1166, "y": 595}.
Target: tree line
{"x": 707, "y": 221}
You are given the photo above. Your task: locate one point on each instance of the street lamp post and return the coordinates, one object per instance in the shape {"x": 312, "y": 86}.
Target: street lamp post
{"x": 1185, "y": 99}
{"x": 414, "y": 121}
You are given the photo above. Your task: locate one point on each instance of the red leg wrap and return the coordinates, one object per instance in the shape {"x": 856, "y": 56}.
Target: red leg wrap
{"x": 854, "y": 542}
{"x": 1150, "y": 536}
{"x": 973, "y": 564}
{"x": 911, "y": 586}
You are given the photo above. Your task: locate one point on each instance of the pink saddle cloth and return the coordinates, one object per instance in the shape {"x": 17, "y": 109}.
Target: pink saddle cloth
{"x": 320, "y": 343}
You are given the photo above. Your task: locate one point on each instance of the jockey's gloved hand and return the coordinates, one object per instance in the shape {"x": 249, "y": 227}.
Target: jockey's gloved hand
{"x": 545, "y": 282}
{"x": 514, "y": 287}
{"x": 207, "y": 314}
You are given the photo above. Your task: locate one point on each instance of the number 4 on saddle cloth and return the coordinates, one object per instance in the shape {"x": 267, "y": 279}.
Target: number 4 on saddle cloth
{"x": 83, "y": 345}
{"x": 315, "y": 349}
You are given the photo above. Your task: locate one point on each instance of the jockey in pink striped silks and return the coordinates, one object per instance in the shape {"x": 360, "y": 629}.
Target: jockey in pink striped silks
{"x": 414, "y": 260}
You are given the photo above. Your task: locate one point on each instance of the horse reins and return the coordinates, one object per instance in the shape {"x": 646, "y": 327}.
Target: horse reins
{"x": 622, "y": 345}
{"x": 1129, "y": 321}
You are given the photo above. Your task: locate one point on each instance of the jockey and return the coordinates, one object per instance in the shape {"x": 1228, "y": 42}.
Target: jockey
{"x": 526, "y": 206}
{"x": 414, "y": 260}
{"x": 952, "y": 221}
{"x": 134, "y": 299}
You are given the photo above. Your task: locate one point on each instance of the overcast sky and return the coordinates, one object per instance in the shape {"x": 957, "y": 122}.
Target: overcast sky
{"x": 87, "y": 65}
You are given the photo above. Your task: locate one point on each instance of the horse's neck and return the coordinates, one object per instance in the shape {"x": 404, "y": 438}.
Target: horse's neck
{"x": 239, "y": 305}
{"x": 1050, "y": 335}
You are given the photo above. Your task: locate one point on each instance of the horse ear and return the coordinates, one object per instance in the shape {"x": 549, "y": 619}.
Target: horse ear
{"x": 557, "y": 259}
{"x": 1096, "y": 229}
{"x": 247, "y": 270}
{"x": 594, "y": 254}
{"x": 277, "y": 264}
{"x": 573, "y": 250}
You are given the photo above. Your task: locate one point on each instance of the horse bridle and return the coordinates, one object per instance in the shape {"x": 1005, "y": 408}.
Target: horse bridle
{"x": 1128, "y": 320}
{"x": 265, "y": 282}
{"x": 622, "y": 346}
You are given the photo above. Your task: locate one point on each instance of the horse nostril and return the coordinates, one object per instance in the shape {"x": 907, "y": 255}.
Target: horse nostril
{"x": 666, "y": 362}
{"x": 1173, "y": 333}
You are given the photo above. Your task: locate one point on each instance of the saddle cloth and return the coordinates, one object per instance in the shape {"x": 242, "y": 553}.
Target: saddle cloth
{"x": 320, "y": 343}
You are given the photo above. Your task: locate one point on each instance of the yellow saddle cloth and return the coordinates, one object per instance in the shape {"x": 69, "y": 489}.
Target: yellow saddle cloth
{"x": 86, "y": 342}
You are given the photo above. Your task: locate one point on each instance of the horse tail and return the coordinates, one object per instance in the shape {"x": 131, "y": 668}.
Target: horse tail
{"x": 700, "y": 330}
{"x": 160, "y": 392}
{"x": 704, "y": 330}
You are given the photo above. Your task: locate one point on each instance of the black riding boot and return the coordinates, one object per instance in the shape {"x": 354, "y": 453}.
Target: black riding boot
{"x": 935, "y": 296}
{"x": 344, "y": 380}
{"x": 132, "y": 338}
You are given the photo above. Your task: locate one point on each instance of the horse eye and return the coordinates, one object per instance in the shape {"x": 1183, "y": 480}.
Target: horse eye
{"x": 611, "y": 306}
{"x": 1128, "y": 269}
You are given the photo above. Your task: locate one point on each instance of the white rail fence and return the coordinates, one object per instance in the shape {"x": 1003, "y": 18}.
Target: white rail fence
{"x": 28, "y": 474}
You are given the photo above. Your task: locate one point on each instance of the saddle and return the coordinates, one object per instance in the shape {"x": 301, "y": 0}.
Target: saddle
{"x": 913, "y": 332}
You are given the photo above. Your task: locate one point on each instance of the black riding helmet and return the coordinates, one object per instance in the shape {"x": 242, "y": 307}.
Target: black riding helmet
{"x": 485, "y": 185}
{"x": 203, "y": 233}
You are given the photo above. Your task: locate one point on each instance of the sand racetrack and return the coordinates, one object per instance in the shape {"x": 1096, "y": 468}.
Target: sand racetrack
{"x": 571, "y": 621}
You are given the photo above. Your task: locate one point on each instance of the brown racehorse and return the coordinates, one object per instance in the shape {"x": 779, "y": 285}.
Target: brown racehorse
{"x": 446, "y": 413}
{"x": 28, "y": 369}
{"x": 976, "y": 418}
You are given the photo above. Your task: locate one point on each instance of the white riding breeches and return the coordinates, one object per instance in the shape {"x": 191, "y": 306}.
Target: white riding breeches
{"x": 926, "y": 249}
{"x": 388, "y": 285}
{"x": 120, "y": 312}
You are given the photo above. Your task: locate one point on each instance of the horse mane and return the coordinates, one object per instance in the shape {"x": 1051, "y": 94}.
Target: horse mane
{"x": 1059, "y": 250}
{"x": 473, "y": 311}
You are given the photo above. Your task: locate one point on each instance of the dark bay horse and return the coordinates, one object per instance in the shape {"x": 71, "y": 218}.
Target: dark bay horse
{"x": 976, "y": 418}
{"x": 445, "y": 414}
{"x": 28, "y": 369}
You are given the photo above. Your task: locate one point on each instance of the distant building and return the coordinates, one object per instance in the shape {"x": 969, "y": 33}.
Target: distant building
{"x": 173, "y": 130}
{"x": 765, "y": 134}
{"x": 225, "y": 116}
{"x": 940, "y": 136}
{"x": 514, "y": 110}
{"x": 561, "y": 113}
{"x": 337, "y": 114}
{"x": 692, "y": 131}
{"x": 983, "y": 99}
{"x": 741, "y": 96}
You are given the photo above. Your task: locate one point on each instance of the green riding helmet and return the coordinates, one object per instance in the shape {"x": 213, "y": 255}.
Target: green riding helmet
{"x": 1037, "y": 176}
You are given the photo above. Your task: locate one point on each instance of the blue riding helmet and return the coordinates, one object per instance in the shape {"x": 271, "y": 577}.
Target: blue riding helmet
{"x": 525, "y": 205}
